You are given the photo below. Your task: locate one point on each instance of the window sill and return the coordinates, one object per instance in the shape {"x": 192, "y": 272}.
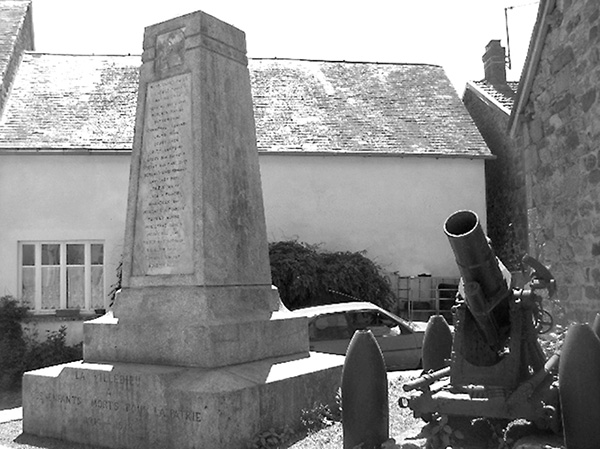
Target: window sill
{"x": 59, "y": 315}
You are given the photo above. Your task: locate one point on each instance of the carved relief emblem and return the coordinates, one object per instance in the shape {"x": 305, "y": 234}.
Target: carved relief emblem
{"x": 169, "y": 50}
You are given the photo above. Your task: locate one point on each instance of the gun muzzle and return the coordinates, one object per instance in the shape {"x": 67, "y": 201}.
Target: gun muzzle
{"x": 484, "y": 285}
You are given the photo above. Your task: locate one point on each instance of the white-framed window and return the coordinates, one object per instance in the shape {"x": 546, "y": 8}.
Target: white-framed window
{"x": 62, "y": 275}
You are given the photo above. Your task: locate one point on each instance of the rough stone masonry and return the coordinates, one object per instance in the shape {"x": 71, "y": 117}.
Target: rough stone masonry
{"x": 559, "y": 140}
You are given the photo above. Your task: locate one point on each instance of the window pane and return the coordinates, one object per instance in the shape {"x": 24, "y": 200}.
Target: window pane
{"x": 75, "y": 254}
{"x": 28, "y": 287}
{"x": 97, "y": 254}
{"x": 97, "y": 287}
{"x": 330, "y": 327}
{"x": 28, "y": 255}
{"x": 362, "y": 320}
{"x": 75, "y": 286}
{"x": 50, "y": 287}
{"x": 51, "y": 254}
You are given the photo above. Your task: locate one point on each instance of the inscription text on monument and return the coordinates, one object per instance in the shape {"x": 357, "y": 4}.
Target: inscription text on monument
{"x": 164, "y": 215}
{"x": 107, "y": 407}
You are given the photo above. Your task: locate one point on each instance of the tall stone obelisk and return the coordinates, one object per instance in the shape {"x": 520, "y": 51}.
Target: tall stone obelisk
{"x": 196, "y": 274}
{"x": 198, "y": 351}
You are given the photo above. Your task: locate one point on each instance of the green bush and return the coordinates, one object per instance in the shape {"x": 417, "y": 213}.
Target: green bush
{"x": 52, "y": 351}
{"x": 306, "y": 276}
{"x": 12, "y": 341}
{"x": 20, "y": 352}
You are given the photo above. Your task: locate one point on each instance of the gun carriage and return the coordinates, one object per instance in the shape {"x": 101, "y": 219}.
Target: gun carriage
{"x": 497, "y": 368}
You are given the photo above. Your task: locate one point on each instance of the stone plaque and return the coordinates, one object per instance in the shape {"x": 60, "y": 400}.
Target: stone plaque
{"x": 164, "y": 214}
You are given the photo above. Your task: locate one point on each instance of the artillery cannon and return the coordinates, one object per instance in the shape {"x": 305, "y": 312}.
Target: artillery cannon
{"x": 497, "y": 368}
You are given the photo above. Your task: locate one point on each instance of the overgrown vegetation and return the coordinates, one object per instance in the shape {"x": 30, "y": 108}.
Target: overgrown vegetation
{"x": 114, "y": 288}
{"x": 20, "y": 351}
{"x": 272, "y": 439}
{"x": 318, "y": 417}
{"x": 12, "y": 342}
{"x": 52, "y": 351}
{"x": 307, "y": 276}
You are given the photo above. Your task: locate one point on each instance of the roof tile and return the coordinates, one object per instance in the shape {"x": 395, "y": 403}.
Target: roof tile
{"x": 72, "y": 101}
{"x": 360, "y": 107}
{"x": 505, "y": 95}
{"x": 88, "y": 102}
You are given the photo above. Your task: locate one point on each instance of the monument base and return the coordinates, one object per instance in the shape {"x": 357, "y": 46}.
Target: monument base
{"x": 219, "y": 326}
{"x": 125, "y": 405}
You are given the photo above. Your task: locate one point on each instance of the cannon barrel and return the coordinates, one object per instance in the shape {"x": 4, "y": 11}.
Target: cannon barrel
{"x": 484, "y": 285}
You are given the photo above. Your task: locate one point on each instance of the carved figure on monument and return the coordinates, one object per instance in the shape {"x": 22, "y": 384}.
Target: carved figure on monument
{"x": 170, "y": 49}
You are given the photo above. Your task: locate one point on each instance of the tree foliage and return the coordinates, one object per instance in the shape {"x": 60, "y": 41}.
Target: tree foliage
{"x": 306, "y": 276}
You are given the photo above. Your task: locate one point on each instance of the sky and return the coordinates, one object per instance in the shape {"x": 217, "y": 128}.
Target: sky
{"x": 449, "y": 33}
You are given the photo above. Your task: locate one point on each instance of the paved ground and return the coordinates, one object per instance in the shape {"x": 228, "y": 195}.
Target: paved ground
{"x": 12, "y": 414}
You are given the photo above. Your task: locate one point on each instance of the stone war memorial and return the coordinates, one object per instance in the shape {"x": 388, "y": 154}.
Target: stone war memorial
{"x": 198, "y": 351}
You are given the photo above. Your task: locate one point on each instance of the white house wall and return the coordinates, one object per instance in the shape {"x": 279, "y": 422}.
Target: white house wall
{"x": 61, "y": 198}
{"x": 392, "y": 207}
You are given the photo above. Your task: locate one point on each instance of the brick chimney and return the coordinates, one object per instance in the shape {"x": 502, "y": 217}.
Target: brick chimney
{"x": 494, "y": 63}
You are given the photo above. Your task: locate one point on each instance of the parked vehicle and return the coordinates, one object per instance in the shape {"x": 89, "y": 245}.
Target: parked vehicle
{"x": 330, "y": 328}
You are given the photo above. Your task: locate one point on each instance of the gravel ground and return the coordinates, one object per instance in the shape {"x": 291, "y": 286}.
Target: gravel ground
{"x": 402, "y": 424}
{"x": 403, "y": 428}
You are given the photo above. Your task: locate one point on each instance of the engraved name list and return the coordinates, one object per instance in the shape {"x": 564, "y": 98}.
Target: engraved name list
{"x": 165, "y": 183}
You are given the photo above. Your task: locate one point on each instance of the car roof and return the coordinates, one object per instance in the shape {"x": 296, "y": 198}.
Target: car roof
{"x": 311, "y": 312}
{"x": 338, "y": 307}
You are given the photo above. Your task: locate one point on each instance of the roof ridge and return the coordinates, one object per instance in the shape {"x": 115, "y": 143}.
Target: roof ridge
{"x": 345, "y": 61}
{"x": 45, "y": 53}
{"x": 336, "y": 61}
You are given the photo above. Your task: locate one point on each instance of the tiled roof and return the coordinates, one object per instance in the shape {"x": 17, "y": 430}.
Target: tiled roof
{"x": 68, "y": 102}
{"x": 505, "y": 96}
{"x": 12, "y": 15}
{"x": 71, "y": 102}
{"x": 360, "y": 107}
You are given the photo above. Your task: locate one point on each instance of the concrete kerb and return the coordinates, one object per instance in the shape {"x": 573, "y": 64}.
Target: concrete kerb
{"x": 11, "y": 414}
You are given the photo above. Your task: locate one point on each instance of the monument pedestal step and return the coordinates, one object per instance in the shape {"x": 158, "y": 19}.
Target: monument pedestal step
{"x": 125, "y": 405}
{"x": 191, "y": 342}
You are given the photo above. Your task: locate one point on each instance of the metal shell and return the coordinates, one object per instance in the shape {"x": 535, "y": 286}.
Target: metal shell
{"x": 579, "y": 387}
{"x": 365, "y": 413}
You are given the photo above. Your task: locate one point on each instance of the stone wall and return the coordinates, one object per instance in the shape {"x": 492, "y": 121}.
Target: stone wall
{"x": 560, "y": 138}
{"x": 504, "y": 180}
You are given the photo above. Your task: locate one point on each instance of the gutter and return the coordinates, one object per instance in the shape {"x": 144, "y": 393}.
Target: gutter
{"x": 63, "y": 152}
{"x": 436, "y": 155}
{"x": 289, "y": 152}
